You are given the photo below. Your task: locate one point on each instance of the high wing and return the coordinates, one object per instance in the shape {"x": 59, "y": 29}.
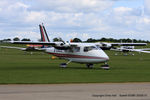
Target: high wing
{"x": 145, "y": 51}
{"x": 141, "y": 50}
{"x": 57, "y": 45}
{"x": 30, "y": 42}
{"x": 11, "y": 47}
{"x": 24, "y": 49}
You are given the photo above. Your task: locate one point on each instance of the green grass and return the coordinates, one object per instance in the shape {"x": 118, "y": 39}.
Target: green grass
{"x": 17, "y": 67}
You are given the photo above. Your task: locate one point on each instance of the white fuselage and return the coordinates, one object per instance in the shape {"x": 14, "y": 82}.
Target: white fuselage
{"x": 83, "y": 53}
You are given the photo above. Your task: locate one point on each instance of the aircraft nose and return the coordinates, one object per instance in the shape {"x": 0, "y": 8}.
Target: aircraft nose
{"x": 104, "y": 56}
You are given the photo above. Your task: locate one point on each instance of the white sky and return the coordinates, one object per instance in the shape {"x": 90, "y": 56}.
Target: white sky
{"x": 75, "y": 18}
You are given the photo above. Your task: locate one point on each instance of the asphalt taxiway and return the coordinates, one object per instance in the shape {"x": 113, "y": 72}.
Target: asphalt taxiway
{"x": 102, "y": 91}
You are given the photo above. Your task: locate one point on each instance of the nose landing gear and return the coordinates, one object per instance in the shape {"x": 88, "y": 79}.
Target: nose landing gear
{"x": 64, "y": 65}
{"x": 105, "y": 66}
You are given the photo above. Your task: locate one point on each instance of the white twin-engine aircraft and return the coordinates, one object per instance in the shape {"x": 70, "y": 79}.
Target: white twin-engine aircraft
{"x": 88, "y": 54}
{"x": 85, "y": 53}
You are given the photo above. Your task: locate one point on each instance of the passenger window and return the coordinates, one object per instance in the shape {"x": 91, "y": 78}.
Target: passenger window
{"x": 86, "y": 49}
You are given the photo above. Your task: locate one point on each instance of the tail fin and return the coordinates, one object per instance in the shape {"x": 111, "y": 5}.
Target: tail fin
{"x": 44, "y": 36}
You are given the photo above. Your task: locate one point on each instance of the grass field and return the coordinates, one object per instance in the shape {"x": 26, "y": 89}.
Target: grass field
{"x": 17, "y": 67}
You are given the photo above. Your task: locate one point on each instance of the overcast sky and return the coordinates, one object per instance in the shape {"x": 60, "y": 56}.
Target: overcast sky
{"x": 75, "y": 18}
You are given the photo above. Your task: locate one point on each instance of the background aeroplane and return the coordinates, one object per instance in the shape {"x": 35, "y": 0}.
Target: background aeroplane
{"x": 127, "y": 49}
{"x": 108, "y": 46}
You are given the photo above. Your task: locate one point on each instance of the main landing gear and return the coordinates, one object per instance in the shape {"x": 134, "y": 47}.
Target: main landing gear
{"x": 64, "y": 65}
{"x": 89, "y": 65}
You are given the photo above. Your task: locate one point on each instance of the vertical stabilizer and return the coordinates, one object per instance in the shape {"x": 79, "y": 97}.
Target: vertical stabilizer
{"x": 44, "y": 36}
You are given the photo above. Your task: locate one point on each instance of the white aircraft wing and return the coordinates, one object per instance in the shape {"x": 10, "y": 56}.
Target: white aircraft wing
{"x": 141, "y": 50}
{"x": 117, "y": 49}
{"x": 24, "y": 49}
{"x": 57, "y": 45}
{"x": 13, "y": 47}
{"x": 29, "y": 42}
{"x": 145, "y": 51}
{"x": 124, "y": 50}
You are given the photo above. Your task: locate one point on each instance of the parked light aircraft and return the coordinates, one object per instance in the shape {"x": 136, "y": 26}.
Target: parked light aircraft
{"x": 108, "y": 46}
{"x": 86, "y": 53}
{"x": 126, "y": 49}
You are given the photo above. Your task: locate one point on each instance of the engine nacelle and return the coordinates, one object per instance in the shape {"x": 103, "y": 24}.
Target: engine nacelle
{"x": 105, "y": 46}
{"x": 62, "y": 46}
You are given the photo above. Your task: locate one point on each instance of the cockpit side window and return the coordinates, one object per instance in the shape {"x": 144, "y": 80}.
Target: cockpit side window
{"x": 73, "y": 49}
{"x": 98, "y": 47}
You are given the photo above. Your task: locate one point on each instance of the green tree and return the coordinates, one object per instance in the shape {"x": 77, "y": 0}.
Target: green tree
{"x": 103, "y": 39}
{"x": 76, "y": 40}
{"x": 25, "y": 39}
{"x": 7, "y": 40}
{"x": 90, "y": 40}
{"x": 16, "y": 39}
{"x": 57, "y": 39}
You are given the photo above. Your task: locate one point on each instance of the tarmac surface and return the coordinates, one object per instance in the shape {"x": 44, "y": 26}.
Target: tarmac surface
{"x": 98, "y": 91}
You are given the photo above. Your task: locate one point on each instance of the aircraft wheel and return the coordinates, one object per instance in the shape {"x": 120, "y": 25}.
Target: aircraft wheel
{"x": 106, "y": 67}
{"x": 63, "y": 65}
{"x": 89, "y": 65}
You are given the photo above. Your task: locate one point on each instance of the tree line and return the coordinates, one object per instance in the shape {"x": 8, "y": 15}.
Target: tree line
{"x": 58, "y": 39}
{"x": 117, "y": 40}
{"x": 128, "y": 40}
{"x": 15, "y": 39}
{"x": 111, "y": 40}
